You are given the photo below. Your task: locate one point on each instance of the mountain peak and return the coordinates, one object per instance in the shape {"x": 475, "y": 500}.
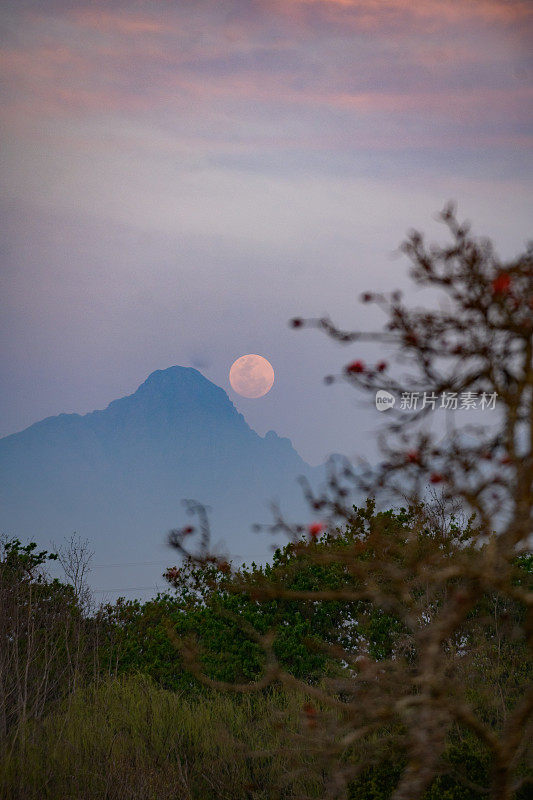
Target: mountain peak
{"x": 175, "y": 374}
{"x": 179, "y": 388}
{"x": 176, "y": 380}
{"x": 180, "y": 379}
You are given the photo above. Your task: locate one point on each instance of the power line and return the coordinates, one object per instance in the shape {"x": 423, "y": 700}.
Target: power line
{"x": 128, "y": 589}
{"x": 128, "y": 564}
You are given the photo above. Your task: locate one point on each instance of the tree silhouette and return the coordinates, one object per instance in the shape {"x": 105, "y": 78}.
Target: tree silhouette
{"x": 455, "y": 575}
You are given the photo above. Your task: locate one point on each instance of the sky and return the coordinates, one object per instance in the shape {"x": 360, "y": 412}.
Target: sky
{"x": 179, "y": 179}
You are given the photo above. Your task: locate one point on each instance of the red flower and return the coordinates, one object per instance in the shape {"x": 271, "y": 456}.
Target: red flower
{"x": 355, "y": 366}
{"x": 436, "y": 477}
{"x": 296, "y": 322}
{"x": 381, "y": 366}
{"x": 172, "y": 573}
{"x": 413, "y": 457}
{"x": 366, "y": 297}
{"x": 315, "y": 529}
{"x": 501, "y": 284}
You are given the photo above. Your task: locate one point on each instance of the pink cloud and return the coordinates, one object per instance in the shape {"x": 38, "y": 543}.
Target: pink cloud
{"x": 107, "y": 21}
{"x": 211, "y": 64}
{"x": 373, "y": 14}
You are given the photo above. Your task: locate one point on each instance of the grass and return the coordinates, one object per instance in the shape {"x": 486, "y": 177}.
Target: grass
{"x": 127, "y": 739}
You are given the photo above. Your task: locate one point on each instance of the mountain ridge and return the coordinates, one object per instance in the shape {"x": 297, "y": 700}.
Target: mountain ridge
{"x": 118, "y": 403}
{"x": 118, "y": 475}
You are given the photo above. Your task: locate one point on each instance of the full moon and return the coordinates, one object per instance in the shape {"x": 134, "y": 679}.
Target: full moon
{"x": 251, "y": 376}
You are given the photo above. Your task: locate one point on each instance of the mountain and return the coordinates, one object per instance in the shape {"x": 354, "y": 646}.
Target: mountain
{"x": 117, "y": 477}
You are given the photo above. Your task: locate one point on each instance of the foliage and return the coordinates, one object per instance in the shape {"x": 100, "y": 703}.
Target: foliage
{"x": 214, "y": 605}
{"x": 149, "y": 742}
{"x": 43, "y": 636}
{"x": 130, "y": 740}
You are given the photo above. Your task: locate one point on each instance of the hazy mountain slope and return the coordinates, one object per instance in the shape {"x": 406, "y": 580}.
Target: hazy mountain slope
{"x": 118, "y": 476}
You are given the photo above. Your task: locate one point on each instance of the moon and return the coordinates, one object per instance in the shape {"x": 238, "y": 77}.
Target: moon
{"x": 251, "y": 376}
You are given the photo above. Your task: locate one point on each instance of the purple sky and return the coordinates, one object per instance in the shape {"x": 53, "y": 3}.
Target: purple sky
{"x": 181, "y": 178}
